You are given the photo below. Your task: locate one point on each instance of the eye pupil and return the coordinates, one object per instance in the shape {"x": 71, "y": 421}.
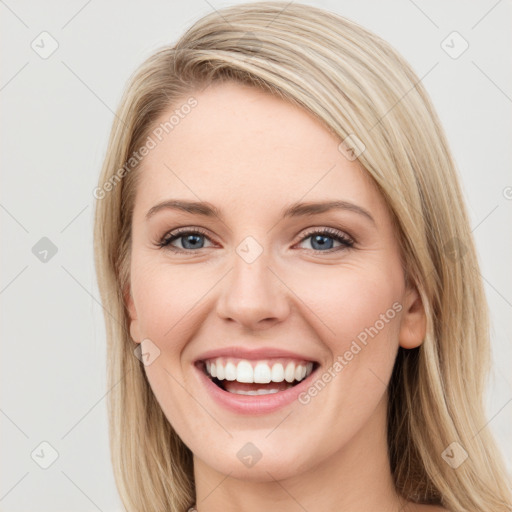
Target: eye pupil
{"x": 321, "y": 240}
{"x": 187, "y": 239}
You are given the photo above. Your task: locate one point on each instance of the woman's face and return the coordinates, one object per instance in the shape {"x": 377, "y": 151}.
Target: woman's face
{"x": 261, "y": 295}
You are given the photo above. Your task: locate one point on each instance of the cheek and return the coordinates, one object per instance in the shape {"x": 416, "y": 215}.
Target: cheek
{"x": 166, "y": 299}
{"x": 358, "y": 310}
{"x": 339, "y": 306}
{"x": 354, "y": 303}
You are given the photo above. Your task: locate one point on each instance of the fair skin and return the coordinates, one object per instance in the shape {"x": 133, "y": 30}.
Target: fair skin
{"x": 250, "y": 155}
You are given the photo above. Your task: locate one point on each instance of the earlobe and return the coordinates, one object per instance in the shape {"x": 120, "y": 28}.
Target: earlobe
{"x": 413, "y": 326}
{"x": 132, "y": 312}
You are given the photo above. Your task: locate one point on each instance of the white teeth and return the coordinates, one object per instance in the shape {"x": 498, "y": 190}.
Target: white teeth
{"x": 298, "y": 372}
{"x": 244, "y": 372}
{"x": 230, "y": 370}
{"x": 277, "y": 373}
{"x": 260, "y": 372}
{"x": 289, "y": 373}
{"x": 255, "y": 392}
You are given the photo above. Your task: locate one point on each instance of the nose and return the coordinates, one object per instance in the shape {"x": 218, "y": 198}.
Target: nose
{"x": 253, "y": 295}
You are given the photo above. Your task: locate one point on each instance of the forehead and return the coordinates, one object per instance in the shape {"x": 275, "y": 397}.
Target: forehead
{"x": 242, "y": 146}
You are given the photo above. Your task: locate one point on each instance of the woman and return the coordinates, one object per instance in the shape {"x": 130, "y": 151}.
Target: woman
{"x": 295, "y": 318}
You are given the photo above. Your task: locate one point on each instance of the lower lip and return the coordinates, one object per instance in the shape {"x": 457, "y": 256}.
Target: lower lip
{"x": 254, "y": 404}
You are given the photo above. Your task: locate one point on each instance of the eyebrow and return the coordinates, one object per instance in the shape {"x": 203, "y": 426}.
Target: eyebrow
{"x": 295, "y": 210}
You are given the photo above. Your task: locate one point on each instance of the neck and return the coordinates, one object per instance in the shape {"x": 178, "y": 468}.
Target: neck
{"x": 356, "y": 477}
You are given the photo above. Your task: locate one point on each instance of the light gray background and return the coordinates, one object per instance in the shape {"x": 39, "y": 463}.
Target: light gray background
{"x": 57, "y": 114}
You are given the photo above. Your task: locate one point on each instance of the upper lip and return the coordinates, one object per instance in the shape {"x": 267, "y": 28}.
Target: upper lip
{"x": 252, "y": 354}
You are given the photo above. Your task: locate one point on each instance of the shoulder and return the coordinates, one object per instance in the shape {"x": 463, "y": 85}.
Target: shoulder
{"x": 416, "y": 507}
{"x": 432, "y": 508}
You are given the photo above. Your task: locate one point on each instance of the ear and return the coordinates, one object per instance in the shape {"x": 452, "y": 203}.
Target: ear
{"x": 413, "y": 326}
{"x": 132, "y": 312}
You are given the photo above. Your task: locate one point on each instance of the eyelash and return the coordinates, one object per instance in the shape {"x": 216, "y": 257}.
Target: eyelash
{"x": 166, "y": 240}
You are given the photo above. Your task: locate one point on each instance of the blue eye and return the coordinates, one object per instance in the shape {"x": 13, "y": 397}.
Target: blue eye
{"x": 323, "y": 240}
{"x": 192, "y": 239}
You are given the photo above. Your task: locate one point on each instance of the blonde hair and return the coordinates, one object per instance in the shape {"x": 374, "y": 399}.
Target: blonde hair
{"x": 357, "y": 85}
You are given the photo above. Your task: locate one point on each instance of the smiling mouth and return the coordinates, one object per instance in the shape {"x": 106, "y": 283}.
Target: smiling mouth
{"x": 260, "y": 377}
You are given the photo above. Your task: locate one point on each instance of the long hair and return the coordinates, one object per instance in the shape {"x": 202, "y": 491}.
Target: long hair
{"x": 366, "y": 94}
